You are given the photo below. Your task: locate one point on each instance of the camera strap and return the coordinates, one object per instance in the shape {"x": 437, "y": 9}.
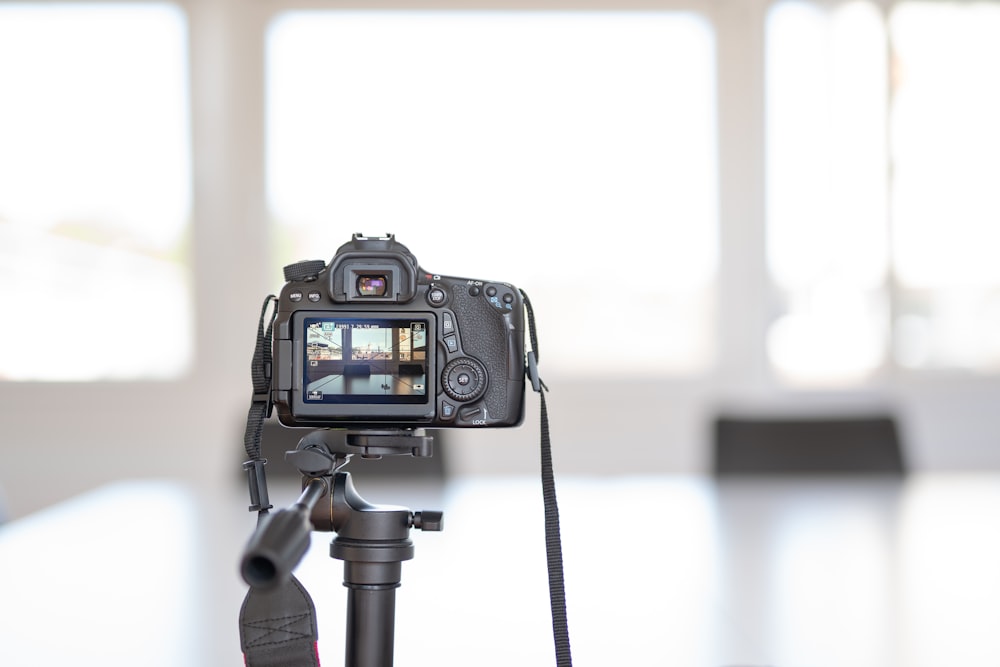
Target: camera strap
{"x": 260, "y": 409}
{"x": 553, "y": 539}
{"x": 278, "y": 626}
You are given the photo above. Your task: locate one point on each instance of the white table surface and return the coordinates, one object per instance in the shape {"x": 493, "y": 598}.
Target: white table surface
{"x": 680, "y": 571}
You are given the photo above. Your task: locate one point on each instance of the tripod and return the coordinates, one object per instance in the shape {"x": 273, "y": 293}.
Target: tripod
{"x": 371, "y": 540}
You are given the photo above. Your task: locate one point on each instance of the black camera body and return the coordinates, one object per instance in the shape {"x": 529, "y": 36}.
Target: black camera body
{"x": 372, "y": 341}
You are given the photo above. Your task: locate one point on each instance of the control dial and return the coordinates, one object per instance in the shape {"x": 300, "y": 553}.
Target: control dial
{"x": 464, "y": 379}
{"x": 307, "y": 269}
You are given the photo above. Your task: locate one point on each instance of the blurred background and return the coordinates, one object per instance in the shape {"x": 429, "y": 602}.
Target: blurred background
{"x": 717, "y": 207}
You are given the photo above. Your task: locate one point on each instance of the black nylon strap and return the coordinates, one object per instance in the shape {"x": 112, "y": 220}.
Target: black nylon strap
{"x": 553, "y": 548}
{"x": 278, "y": 627}
{"x": 553, "y": 539}
{"x": 260, "y": 410}
{"x": 260, "y": 377}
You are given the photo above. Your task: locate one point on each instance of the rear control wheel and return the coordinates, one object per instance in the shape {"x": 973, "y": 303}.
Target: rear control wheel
{"x": 464, "y": 379}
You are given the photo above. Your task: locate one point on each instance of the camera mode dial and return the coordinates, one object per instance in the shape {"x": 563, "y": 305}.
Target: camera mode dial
{"x": 307, "y": 269}
{"x": 464, "y": 379}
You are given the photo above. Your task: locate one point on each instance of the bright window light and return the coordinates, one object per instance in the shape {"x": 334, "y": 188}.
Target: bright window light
{"x": 94, "y": 192}
{"x": 570, "y": 153}
{"x": 827, "y": 240}
{"x": 946, "y": 201}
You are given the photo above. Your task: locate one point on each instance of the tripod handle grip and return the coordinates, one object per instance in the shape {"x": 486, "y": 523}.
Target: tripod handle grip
{"x": 280, "y": 541}
{"x": 275, "y": 548}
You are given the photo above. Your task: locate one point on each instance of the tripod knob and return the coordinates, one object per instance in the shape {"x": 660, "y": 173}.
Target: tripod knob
{"x": 428, "y": 520}
{"x": 314, "y": 460}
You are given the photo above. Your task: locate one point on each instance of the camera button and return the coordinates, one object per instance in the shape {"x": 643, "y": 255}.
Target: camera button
{"x": 315, "y": 296}
{"x": 464, "y": 379}
{"x": 447, "y": 324}
{"x": 295, "y": 296}
{"x": 447, "y": 410}
{"x": 470, "y": 413}
{"x": 491, "y": 291}
{"x": 451, "y": 342}
{"x": 437, "y": 296}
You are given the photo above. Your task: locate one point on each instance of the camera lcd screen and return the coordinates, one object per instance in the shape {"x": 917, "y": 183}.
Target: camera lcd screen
{"x": 365, "y": 360}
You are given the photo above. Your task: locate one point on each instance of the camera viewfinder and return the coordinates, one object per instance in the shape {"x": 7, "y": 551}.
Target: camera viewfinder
{"x": 372, "y": 285}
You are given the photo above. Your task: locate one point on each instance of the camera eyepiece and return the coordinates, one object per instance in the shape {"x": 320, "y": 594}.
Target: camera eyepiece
{"x": 373, "y": 285}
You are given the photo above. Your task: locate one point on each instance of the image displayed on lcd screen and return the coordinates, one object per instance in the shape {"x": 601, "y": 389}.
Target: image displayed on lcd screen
{"x": 353, "y": 360}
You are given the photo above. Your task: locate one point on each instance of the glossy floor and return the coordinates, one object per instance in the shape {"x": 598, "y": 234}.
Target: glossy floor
{"x": 659, "y": 571}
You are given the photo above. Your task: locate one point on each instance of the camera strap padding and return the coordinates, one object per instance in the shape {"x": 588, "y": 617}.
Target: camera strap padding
{"x": 278, "y": 627}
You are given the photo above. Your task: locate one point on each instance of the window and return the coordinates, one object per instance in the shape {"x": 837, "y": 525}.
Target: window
{"x": 94, "y": 192}
{"x": 945, "y": 200}
{"x": 827, "y": 190}
{"x": 882, "y": 206}
{"x": 572, "y": 154}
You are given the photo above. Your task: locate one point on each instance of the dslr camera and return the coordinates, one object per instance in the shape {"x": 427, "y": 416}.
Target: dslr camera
{"x": 372, "y": 341}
